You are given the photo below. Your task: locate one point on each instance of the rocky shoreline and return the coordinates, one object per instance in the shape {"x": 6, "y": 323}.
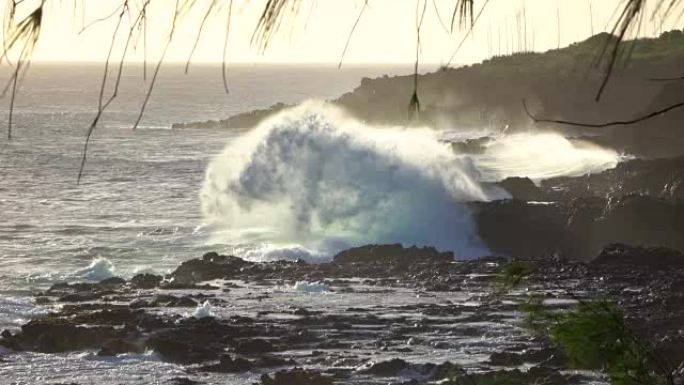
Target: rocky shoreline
{"x": 380, "y": 314}
{"x": 386, "y": 314}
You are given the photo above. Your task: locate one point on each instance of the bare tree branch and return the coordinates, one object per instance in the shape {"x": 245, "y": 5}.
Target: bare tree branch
{"x": 627, "y": 122}
{"x": 351, "y": 33}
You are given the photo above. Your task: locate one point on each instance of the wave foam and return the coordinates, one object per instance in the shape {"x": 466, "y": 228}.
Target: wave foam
{"x": 100, "y": 268}
{"x": 540, "y": 156}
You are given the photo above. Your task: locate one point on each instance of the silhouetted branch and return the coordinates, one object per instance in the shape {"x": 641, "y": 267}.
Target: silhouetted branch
{"x": 212, "y": 4}
{"x": 470, "y": 30}
{"x": 103, "y": 105}
{"x": 177, "y": 12}
{"x": 104, "y": 18}
{"x": 224, "y": 57}
{"x": 351, "y": 33}
{"x": 642, "y": 118}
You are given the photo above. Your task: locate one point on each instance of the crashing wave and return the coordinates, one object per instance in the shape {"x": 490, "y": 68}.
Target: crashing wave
{"x": 311, "y": 181}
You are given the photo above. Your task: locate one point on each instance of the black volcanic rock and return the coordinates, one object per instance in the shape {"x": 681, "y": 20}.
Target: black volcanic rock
{"x": 296, "y": 376}
{"x": 519, "y": 229}
{"x": 472, "y": 146}
{"x": 211, "y": 266}
{"x": 522, "y": 189}
{"x": 118, "y": 346}
{"x": 394, "y": 253}
{"x": 662, "y": 178}
{"x": 578, "y": 228}
{"x": 254, "y": 346}
{"x": 192, "y": 341}
{"x": 388, "y": 368}
{"x": 145, "y": 281}
{"x": 53, "y": 335}
{"x": 621, "y": 254}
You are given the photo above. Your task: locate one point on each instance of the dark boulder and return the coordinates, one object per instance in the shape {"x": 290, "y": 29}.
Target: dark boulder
{"x": 296, "y": 376}
{"x": 519, "y": 229}
{"x": 118, "y": 346}
{"x": 211, "y": 266}
{"x": 387, "y": 368}
{"x": 145, "y": 281}
{"x": 53, "y": 335}
{"x": 254, "y": 346}
{"x": 192, "y": 341}
{"x": 472, "y": 146}
{"x": 521, "y": 189}
{"x": 183, "y": 381}
{"x": 168, "y": 300}
{"x": 112, "y": 282}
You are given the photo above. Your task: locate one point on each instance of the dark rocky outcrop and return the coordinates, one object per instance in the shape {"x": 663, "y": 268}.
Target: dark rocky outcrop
{"x": 395, "y": 253}
{"x": 296, "y": 376}
{"x": 654, "y": 257}
{"x": 388, "y": 368}
{"x": 580, "y": 227}
{"x": 660, "y": 178}
{"x": 522, "y": 189}
{"x": 211, "y": 266}
{"x": 145, "y": 281}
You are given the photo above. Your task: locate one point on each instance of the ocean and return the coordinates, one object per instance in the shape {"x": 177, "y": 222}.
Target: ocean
{"x": 138, "y": 204}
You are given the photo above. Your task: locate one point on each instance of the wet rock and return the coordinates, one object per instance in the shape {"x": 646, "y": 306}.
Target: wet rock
{"x": 112, "y": 282}
{"x": 443, "y": 371}
{"x": 515, "y": 377}
{"x": 118, "y": 346}
{"x": 522, "y": 189}
{"x": 254, "y": 346}
{"x": 167, "y": 300}
{"x": 655, "y": 257}
{"x": 183, "y": 381}
{"x": 394, "y": 253}
{"x": 296, "y": 376}
{"x": 660, "y": 178}
{"x": 229, "y": 365}
{"x": 578, "y": 228}
{"x": 269, "y": 361}
{"x": 53, "y": 335}
{"x": 6, "y": 334}
{"x": 387, "y": 368}
{"x": 145, "y": 281}
{"x": 192, "y": 341}
{"x": 471, "y": 146}
{"x": 520, "y": 229}
{"x": 209, "y": 268}
{"x": 505, "y": 359}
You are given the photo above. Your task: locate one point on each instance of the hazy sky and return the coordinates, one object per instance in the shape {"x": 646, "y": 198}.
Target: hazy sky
{"x": 385, "y": 34}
